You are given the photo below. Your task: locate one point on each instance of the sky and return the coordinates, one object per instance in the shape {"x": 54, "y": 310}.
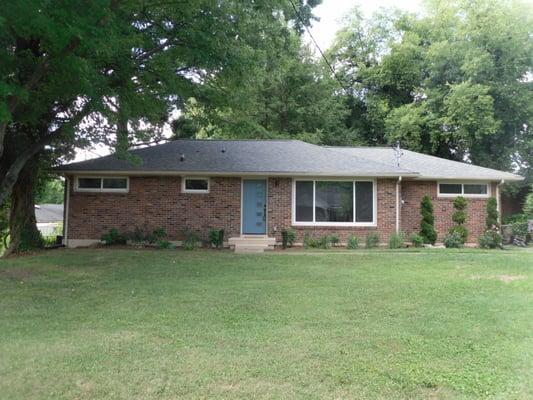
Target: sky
{"x": 330, "y": 14}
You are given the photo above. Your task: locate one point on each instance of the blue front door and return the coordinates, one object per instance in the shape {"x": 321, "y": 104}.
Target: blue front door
{"x": 254, "y": 206}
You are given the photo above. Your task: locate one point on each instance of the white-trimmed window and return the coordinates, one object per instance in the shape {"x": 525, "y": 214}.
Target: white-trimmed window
{"x": 102, "y": 184}
{"x": 195, "y": 185}
{"x": 328, "y": 202}
{"x": 466, "y": 189}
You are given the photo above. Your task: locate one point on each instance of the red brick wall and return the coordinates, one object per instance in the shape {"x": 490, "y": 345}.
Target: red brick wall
{"x": 412, "y": 193}
{"x": 155, "y": 202}
{"x": 279, "y": 213}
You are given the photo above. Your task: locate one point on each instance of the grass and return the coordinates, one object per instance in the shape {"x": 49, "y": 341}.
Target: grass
{"x": 139, "y": 324}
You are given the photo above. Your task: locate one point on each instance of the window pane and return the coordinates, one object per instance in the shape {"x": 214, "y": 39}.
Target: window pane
{"x": 450, "y": 188}
{"x": 334, "y": 201}
{"x": 115, "y": 183}
{"x": 476, "y": 189}
{"x": 364, "y": 202}
{"x": 304, "y": 201}
{"x": 89, "y": 183}
{"x": 196, "y": 184}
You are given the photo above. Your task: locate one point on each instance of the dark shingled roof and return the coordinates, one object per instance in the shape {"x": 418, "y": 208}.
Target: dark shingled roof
{"x": 290, "y": 157}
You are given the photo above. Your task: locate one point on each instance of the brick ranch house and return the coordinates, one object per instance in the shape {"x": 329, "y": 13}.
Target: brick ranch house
{"x": 254, "y": 189}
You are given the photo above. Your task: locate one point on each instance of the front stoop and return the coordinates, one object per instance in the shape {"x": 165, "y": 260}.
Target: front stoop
{"x": 251, "y": 244}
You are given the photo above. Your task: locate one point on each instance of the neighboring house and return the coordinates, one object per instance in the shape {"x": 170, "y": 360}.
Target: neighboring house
{"x": 254, "y": 189}
{"x": 49, "y": 218}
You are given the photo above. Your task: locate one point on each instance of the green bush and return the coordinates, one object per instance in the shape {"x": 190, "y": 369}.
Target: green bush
{"x": 461, "y": 230}
{"x": 334, "y": 240}
{"x": 453, "y": 240}
{"x": 511, "y": 219}
{"x": 427, "y": 228}
{"x": 492, "y": 213}
{"x": 288, "y": 236}
{"x": 216, "y": 237}
{"x": 310, "y": 242}
{"x": 353, "y": 242}
{"x": 416, "y": 240}
{"x": 113, "y": 237}
{"x": 191, "y": 241}
{"x": 165, "y": 244}
{"x": 491, "y": 239}
{"x": 139, "y": 237}
{"x": 324, "y": 242}
{"x": 459, "y": 217}
{"x": 519, "y": 228}
{"x": 528, "y": 204}
{"x": 372, "y": 240}
{"x": 396, "y": 240}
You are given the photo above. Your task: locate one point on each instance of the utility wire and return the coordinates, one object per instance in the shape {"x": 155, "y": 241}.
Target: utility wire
{"x": 317, "y": 46}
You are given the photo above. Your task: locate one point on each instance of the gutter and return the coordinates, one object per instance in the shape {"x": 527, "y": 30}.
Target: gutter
{"x": 398, "y": 200}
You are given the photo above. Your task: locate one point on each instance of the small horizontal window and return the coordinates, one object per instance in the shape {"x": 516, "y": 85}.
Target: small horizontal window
{"x": 196, "y": 185}
{"x": 100, "y": 184}
{"x": 463, "y": 189}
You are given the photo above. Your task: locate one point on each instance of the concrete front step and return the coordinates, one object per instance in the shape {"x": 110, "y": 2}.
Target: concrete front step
{"x": 251, "y": 244}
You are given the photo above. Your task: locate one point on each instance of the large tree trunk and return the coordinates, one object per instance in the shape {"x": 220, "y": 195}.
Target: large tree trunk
{"x": 23, "y": 232}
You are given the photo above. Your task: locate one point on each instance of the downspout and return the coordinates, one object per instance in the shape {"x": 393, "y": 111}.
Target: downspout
{"x": 498, "y": 201}
{"x": 65, "y": 217}
{"x": 398, "y": 200}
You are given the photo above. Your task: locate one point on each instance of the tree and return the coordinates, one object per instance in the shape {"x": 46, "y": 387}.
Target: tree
{"x": 427, "y": 228}
{"x": 288, "y": 94}
{"x": 111, "y": 72}
{"x": 452, "y": 82}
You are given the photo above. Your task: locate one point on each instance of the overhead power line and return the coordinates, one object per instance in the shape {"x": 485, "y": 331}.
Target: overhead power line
{"x": 316, "y": 45}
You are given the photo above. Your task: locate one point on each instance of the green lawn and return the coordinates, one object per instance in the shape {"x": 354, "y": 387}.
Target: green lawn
{"x": 141, "y": 324}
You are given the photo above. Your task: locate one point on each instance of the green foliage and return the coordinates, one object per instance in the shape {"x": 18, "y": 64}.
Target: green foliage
{"x": 288, "y": 236}
{"x": 396, "y": 240}
{"x": 519, "y": 228}
{"x": 459, "y": 217}
{"x": 334, "y": 240}
{"x": 510, "y": 219}
{"x": 216, "y": 237}
{"x": 427, "y": 229}
{"x": 491, "y": 239}
{"x": 140, "y": 237}
{"x": 454, "y": 239}
{"x": 165, "y": 244}
{"x": 310, "y": 242}
{"x": 528, "y": 204}
{"x": 353, "y": 242}
{"x": 192, "y": 240}
{"x": 113, "y": 237}
{"x": 372, "y": 240}
{"x": 50, "y": 192}
{"x": 450, "y": 81}
{"x": 417, "y": 240}
{"x": 492, "y": 213}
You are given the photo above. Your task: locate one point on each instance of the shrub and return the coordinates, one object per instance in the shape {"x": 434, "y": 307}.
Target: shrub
{"x": 492, "y": 213}
{"x": 113, "y": 237}
{"x": 519, "y": 228}
{"x": 165, "y": 244}
{"x": 372, "y": 240}
{"x": 325, "y": 242}
{"x": 461, "y": 230}
{"x": 396, "y": 240}
{"x": 491, "y": 239}
{"x": 528, "y": 204}
{"x": 453, "y": 240}
{"x": 334, "y": 240}
{"x": 353, "y": 242}
{"x": 417, "y": 240}
{"x": 310, "y": 242}
{"x": 288, "y": 236}
{"x": 216, "y": 237}
{"x": 139, "y": 237}
{"x": 191, "y": 240}
{"x": 427, "y": 228}
{"x": 459, "y": 217}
